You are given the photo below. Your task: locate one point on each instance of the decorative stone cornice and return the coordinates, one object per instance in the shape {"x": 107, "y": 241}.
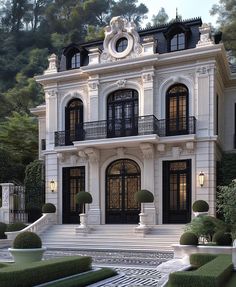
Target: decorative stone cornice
{"x": 93, "y": 154}
{"x": 147, "y": 150}
{"x": 61, "y": 157}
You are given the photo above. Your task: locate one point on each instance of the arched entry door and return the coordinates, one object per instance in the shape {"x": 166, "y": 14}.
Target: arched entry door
{"x": 122, "y": 182}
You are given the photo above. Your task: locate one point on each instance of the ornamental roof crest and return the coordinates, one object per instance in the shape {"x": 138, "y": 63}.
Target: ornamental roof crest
{"x": 120, "y": 30}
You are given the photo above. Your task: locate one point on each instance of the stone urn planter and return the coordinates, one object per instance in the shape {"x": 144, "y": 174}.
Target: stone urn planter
{"x": 143, "y": 196}
{"x": 27, "y": 248}
{"x": 200, "y": 207}
{"x": 83, "y": 198}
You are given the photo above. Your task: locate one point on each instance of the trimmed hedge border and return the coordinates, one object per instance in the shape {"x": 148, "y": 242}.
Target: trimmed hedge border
{"x": 212, "y": 274}
{"x": 27, "y": 275}
{"x": 83, "y": 280}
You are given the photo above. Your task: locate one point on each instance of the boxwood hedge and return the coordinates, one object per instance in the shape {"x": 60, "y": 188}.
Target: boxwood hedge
{"x": 19, "y": 275}
{"x": 212, "y": 274}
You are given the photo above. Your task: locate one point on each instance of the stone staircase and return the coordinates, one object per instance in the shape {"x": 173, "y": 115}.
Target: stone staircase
{"x": 112, "y": 237}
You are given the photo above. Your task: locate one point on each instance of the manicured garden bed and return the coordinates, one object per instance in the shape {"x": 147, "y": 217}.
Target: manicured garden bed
{"x": 18, "y": 275}
{"x": 212, "y": 271}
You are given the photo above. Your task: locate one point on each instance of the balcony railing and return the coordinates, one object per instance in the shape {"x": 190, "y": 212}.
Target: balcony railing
{"x": 144, "y": 125}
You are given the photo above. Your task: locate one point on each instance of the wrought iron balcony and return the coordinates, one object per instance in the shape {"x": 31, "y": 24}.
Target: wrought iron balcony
{"x": 144, "y": 125}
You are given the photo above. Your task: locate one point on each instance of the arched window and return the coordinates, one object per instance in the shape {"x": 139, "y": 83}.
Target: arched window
{"x": 177, "y": 112}
{"x": 74, "y": 121}
{"x": 122, "y": 113}
{"x": 123, "y": 180}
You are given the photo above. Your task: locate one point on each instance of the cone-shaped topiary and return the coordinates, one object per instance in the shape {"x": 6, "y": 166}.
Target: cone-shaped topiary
{"x": 83, "y": 197}
{"x": 27, "y": 240}
{"x": 223, "y": 239}
{"x": 188, "y": 238}
{"x": 49, "y": 208}
{"x": 200, "y": 206}
{"x": 144, "y": 196}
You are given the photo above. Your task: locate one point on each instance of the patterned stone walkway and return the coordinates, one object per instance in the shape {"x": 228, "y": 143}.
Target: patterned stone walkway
{"x": 135, "y": 268}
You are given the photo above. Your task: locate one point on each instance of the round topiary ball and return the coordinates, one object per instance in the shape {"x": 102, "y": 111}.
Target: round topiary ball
{"x": 144, "y": 196}
{"x": 200, "y": 206}
{"x": 27, "y": 240}
{"x": 222, "y": 239}
{"x": 16, "y": 226}
{"x": 188, "y": 238}
{"x": 83, "y": 197}
{"x": 48, "y": 208}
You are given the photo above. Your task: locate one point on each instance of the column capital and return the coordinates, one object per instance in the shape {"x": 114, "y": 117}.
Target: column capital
{"x": 93, "y": 154}
{"x": 147, "y": 150}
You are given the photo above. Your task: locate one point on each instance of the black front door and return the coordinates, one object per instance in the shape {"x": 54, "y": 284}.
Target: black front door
{"x": 73, "y": 182}
{"x": 177, "y": 191}
{"x": 122, "y": 182}
{"x": 122, "y": 113}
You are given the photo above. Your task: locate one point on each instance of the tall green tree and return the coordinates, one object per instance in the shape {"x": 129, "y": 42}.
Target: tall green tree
{"x": 160, "y": 18}
{"x": 226, "y": 12}
{"x": 130, "y": 10}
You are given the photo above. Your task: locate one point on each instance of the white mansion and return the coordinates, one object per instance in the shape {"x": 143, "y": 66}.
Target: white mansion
{"x": 150, "y": 109}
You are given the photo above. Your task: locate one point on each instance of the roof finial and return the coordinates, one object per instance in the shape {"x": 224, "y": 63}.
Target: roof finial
{"x": 176, "y": 16}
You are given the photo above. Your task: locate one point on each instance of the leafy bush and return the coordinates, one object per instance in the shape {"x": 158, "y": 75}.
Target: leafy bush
{"x": 49, "y": 208}
{"x": 199, "y": 259}
{"x": 200, "y": 206}
{"x": 188, "y": 238}
{"x": 226, "y": 202}
{"x": 205, "y": 226}
{"x": 212, "y": 274}
{"x": 16, "y": 226}
{"x": 35, "y": 273}
{"x": 83, "y": 197}
{"x": 3, "y": 228}
{"x": 221, "y": 238}
{"x": 144, "y": 196}
{"x": 27, "y": 240}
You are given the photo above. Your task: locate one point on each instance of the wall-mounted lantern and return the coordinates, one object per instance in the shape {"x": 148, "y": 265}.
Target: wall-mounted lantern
{"x": 52, "y": 185}
{"x": 201, "y": 178}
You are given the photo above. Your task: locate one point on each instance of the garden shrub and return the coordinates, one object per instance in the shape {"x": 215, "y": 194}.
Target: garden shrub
{"x": 205, "y": 226}
{"x": 200, "y": 206}
{"x": 49, "y": 208}
{"x": 144, "y": 196}
{"x": 199, "y": 259}
{"x": 212, "y": 274}
{"x": 223, "y": 239}
{"x": 188, "y": 238}
{"x": 27, "y": 240}
{"x": 16, "y": 226}
{"x": 82, "y": 198}
{"x": 3, "y": 228}
{"x": 35, "y": 273}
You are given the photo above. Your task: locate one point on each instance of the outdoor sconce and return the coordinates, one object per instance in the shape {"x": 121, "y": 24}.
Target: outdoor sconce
{"x": 52, "y": 185}
{"x": 201, "y": 178}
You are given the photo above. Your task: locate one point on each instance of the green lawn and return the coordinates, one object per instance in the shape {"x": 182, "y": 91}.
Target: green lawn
{"x": 232, "y": 281}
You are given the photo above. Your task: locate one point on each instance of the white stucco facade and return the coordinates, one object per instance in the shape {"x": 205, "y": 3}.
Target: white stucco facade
{"x": 203, "y": 70}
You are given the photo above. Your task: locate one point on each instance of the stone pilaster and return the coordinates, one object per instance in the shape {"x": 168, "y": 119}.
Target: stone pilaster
{"x": 147, "y": 150}
{"x": 94, "y": 212}
{"x": 5, "y": 209}
{"x": 93, "y": 85}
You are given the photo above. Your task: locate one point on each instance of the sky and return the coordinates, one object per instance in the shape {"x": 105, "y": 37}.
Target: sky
{"x": 186, "y": 8}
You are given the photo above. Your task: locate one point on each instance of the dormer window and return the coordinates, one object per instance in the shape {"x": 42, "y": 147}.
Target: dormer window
{"x": 75, "y": 61}
{"x": 177, "y": 35}
{"x": 177, "y": 42}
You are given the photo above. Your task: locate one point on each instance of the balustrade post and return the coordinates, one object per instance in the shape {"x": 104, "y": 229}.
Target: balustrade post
{"x": 5, "y": 212}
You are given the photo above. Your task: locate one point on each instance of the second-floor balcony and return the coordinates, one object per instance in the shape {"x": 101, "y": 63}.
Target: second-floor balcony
{"x": 143, "y": 125}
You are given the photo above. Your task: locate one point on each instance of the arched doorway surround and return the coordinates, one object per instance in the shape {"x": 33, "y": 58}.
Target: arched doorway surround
{"x": 123, "y": 180}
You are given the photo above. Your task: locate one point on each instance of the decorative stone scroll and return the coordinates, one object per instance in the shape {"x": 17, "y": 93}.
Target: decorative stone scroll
{"x": 120, "y": 28}
{"x": 147, "y": 150}
{"x": 93, "y": 154}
